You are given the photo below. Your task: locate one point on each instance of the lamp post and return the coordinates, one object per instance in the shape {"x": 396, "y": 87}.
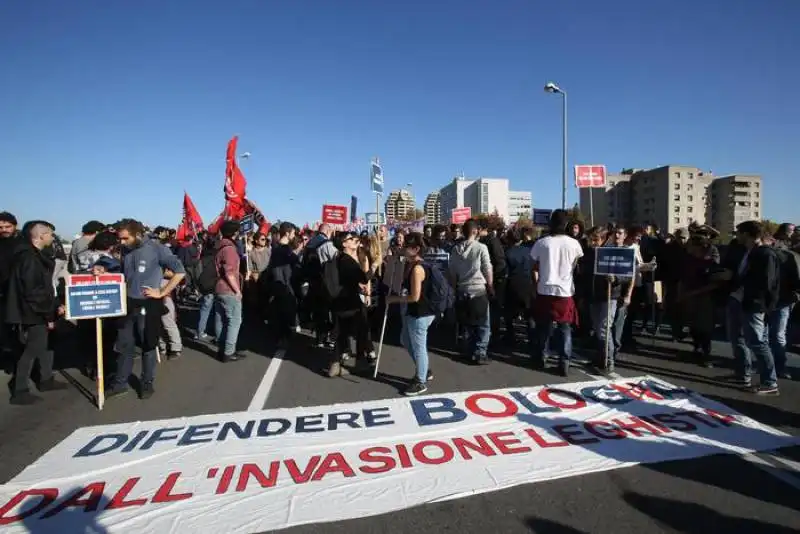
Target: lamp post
{"x": 550, "y": 87}
{"x": 413, "y": 200}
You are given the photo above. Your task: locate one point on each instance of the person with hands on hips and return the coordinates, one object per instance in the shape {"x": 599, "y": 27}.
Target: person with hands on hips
{"x": 143, "y": 264}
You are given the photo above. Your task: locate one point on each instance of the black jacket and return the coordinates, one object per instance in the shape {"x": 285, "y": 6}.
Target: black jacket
{"x": 497, "y": 255}
{"x": 760, "y": 279}
{"x": 7, "y": 247}
{"x": 31, "y": 297}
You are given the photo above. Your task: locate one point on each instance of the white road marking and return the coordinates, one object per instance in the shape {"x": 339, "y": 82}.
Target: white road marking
{"x": 781, "y": 473}
{"x": 261, "y": 394}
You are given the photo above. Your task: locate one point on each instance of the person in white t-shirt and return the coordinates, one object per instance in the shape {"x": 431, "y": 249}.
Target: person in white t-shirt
{"x": 554, "y": 259}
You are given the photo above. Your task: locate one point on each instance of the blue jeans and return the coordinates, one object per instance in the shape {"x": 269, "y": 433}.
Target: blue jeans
{"x": 600, "y": 313}
{"x": 778, "y": 322}
{"x": 554, "y": 336}
{"x": 476, "y": 337}
{"x": 206, "y": 306}
{"x": 132, "y": 325}
{"x": 747, "y": 333}
{"x": 227, "y": 321}
{"x": 414, "y": 337}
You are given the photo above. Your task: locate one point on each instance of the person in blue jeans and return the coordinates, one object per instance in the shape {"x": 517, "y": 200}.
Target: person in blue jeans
{"x": 228, "y": 293}
{"x": 778, "y": 323}
{"x": 417, "y": 314}
{"x": 753, "y": 271}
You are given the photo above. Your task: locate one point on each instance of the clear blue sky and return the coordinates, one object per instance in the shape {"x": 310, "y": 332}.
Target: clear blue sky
{"x": 112, "y": 109}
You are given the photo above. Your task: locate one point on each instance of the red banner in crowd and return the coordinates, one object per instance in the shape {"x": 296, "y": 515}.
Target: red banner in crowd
{"x": 191, "y": 223}
{"x": 334, "y": 214}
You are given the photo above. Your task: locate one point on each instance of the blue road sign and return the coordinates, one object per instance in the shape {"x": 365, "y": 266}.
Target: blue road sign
{"x": 246, "y": 225}
{"x": 376, "y": 177}
{"x": 615, "y": 261}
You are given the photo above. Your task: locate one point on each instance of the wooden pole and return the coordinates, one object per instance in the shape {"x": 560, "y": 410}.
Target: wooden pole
{"x": 101, "y": 379}
{"x": 609, "y": 365}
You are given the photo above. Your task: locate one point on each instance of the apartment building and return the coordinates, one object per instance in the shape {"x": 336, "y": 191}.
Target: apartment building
{"x": 488, "y": 195}
{"x": 735, "y": 199}
{"x": 433, "y": 208}
{"x": 672, "y": 197}
{"x": 519, "y": 205}
{"x": 607, "y": 204}
{"x": 451, "y": 196}
{"x": 399, "y": 203}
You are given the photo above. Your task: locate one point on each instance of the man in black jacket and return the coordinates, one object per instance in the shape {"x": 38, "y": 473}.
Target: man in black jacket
{"x": 31, "y": 310}
{"x": 9, "y": 240}
{"x": 497, "y": 255}
{"x": 753, "y": 271}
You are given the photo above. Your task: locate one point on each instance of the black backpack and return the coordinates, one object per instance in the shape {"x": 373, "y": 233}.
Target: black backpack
{"x": 312, "y": 265}
{"x": 208, "y": 278}
{"x": 331, "y": 285}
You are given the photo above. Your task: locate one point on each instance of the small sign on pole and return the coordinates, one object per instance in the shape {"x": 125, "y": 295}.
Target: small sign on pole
{"x": 541, "y": 217}
{"x": 96, "y": 297}
{"x": 460, "y": 215}
{"x": 246, "y": 225}
{"x": 590, "y": 176}
{"x": 375, "y": 218}
{"x": 615, "y": 261}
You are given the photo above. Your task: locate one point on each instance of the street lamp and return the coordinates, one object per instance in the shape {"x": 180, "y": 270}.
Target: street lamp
{"x": 550, "y": 87}
{"x": 413, "y": 200}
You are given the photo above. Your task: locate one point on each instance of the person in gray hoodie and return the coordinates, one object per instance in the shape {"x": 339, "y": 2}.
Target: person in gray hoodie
{"x": 471, "y": 275}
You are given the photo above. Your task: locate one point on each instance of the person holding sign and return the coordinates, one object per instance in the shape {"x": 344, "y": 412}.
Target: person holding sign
{"x": 609, "y": 300}
{"x": 31, "y": 310}
{"x": 143, "y": 261}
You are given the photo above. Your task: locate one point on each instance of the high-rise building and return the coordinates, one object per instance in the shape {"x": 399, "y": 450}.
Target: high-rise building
{"x": 488, "y": 195}
{"x": 399, "y": 204}
{"x": 735, "y": 199}
{"x": 433, "y": 208}
{"x": 451, "y": 196}
{"x": 519, "y": 204}
{"x": 672, "y": 197}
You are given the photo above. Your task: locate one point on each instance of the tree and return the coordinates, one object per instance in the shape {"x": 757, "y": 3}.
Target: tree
{"x": 770, "y": 227}
{"x": 575, "y": 214}
{"x": 493, "y": 220}
{"x": 524, "y": 221}
{"x": 412, "y": 215}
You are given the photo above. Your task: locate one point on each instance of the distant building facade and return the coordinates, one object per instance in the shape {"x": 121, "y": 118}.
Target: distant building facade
{"x": 433, "y": 208}
{"x": 399, "y": 204}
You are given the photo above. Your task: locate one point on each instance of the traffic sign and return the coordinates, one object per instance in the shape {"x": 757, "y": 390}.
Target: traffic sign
{"x": 95, "y": 297}
{"x": 590, "y": 176}
{"x": 376, "y": 177}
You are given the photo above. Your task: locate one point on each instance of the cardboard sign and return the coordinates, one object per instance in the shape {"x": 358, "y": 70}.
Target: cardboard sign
{"x": 334, "y": 214}
{"x": 95, "y": 297}
{"x": 262, "y": 471}
{"x": 615, "y": 261}
{"x": 460, "y": 215}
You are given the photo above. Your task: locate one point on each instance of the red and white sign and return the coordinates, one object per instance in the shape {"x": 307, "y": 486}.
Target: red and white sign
{"x": 90, "y": 279}
{"x": 334, "y": 214}
{"x": 590, "y": 176}
{"x": 261, "y": 471}
{"x": 460, "y": 215}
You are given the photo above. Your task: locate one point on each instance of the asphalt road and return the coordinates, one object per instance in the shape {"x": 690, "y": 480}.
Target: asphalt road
{"x": 724, "y": 493}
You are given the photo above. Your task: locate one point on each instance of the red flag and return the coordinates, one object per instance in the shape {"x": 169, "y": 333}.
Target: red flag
{"x": 235, "y": 184}
{"x": 191, "y": 223}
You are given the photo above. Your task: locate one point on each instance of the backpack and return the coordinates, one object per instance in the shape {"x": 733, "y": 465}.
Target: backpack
{"x": 331, "y": 285}
{"x": 439, "y": 294}
{"x": 312, "y": 265}
{"x": 789, "y": 265}
{"x": 209, "y": 276}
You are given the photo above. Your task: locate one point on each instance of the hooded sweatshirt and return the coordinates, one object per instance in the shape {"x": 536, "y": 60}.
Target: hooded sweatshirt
{"x": 470, "y": 267}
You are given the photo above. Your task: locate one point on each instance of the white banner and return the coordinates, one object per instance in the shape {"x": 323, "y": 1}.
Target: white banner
{"x": 258, "y": 471}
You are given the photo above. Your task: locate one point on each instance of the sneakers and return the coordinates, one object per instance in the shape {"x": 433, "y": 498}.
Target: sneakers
{"x": 26, "y": 398}
{"x": 147, "y": 391}
{"x": 786, "y": 375}
{"x": 235, "y": 357}
{"x": 52, "y": 385}
{"x": 337, "y": 369}
{"x": 429, "y": 378}
{"x": 371, "y": 356}
{"x": 415, "y": 388}
{"x": 114, "y": 392}
{"x": 173, "y": 355}
{"x": 204, "y": 338}
{"x": 771, "y": 390}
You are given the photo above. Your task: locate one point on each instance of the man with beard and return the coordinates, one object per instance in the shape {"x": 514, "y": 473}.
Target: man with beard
{"x": 31, "y": 310}
{"x": 143, "y": 263}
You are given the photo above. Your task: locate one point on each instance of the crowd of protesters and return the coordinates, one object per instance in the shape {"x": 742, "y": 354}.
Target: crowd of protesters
{"x": 482, "y": 280}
